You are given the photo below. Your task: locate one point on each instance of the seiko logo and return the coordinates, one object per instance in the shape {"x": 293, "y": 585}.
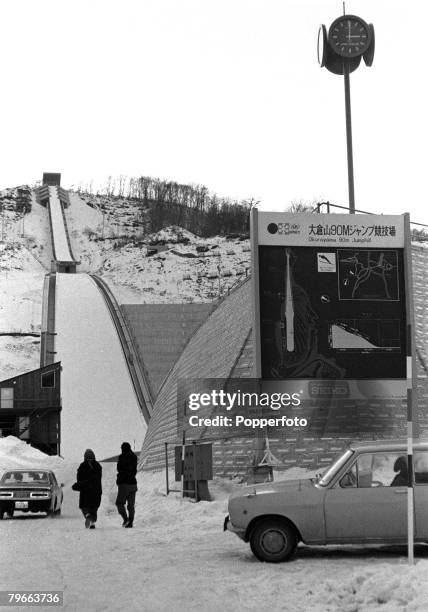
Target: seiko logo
{"x": 328, "y": 389}
{"x": 283, "y": 228}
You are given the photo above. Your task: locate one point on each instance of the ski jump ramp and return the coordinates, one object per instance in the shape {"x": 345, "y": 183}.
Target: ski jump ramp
{"x": 105, "y": 399}
{"x": 60, "y": 241}
{"x": 100, "y": 406}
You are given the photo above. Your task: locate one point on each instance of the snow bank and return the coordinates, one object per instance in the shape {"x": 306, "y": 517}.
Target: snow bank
{"x": 16, "y": 454}
{"x": 388, "y": 587}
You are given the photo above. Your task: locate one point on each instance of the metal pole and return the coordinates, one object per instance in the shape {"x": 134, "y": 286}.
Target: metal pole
{"x": 411, "y": 385}
{"x": 349, "y": 137}
{"x": 183, "y": 450}
{"x": 195, "y": 476}
{"x": 254, "y": 232}
{"x": 166, "y": 467}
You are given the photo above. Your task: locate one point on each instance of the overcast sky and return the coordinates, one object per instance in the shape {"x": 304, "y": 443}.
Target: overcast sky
{"x": 226, "y": 93}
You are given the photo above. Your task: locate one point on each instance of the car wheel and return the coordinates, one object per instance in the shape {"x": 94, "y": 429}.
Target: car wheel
{"x": 10, "y": 513}
{"x": 273, "y": 540}
{"x": 50, "y": 512}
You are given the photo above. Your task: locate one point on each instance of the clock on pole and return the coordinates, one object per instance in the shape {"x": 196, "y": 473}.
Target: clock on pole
{"x": 340, "y": 50}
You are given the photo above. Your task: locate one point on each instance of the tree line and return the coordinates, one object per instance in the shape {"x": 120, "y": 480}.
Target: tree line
{"x": 192, "y": 207}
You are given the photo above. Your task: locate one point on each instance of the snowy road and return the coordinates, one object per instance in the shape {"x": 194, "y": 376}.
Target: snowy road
{"x": 177, "y": 558}
{"x": 100, "y": 409}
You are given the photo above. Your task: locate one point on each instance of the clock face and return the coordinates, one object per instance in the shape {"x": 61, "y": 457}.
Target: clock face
{"x": 349, "y": 36}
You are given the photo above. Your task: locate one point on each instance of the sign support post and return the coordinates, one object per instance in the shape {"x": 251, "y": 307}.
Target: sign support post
{"x": 349, "y": 137}
{"x": 411, "y": 385}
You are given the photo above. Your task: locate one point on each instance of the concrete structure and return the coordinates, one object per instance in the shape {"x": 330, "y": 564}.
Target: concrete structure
{"x": 160, "y": 332}
{"x": 223, "y": 347}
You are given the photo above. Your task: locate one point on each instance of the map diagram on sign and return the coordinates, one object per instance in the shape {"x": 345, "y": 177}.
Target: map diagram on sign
{"x": 365, "y": 335}
{"x": 368, "y": 275}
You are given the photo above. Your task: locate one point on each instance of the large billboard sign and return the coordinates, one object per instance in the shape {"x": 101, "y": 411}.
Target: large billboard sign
{"x": 330, "y": 300}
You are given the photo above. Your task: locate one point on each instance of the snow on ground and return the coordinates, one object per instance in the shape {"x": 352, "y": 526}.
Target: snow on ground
{"x": 18, "y": 355}
{"x": 178, "y": 558}
{"x": 32, "y": 231}
{"x": 21, "y": 284}
{"x": 17, "y": 454}
{"x": 20, "y": 301}
{"x": 116, "y": 249}
{"x": 172, "y": 276}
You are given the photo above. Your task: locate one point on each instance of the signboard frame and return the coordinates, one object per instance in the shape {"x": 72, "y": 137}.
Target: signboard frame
{"x": 343, "y": 231}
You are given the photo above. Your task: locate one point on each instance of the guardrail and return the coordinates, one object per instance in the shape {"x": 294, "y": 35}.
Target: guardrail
{"x": 66, "y": 232}
{"x": 138, "y": 376}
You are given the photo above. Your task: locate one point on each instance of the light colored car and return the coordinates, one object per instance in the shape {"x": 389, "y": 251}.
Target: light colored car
{"x": 30, "y": 490}
{"x": 361, "y": 498}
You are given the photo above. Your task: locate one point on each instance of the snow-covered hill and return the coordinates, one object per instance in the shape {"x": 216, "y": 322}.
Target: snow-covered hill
{"x": 107, "y": 237}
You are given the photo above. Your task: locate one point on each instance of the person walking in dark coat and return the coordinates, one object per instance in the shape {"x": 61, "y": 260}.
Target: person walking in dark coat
{"x": 89, "y": 476}
{"x": 127, "y": 484}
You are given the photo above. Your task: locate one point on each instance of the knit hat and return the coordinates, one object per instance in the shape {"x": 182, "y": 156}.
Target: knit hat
{"x": 89, "y": 455}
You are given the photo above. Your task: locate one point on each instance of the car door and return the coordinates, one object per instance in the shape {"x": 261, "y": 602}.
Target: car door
{"x": 365, "y": 505}
{"x": 421, "y": 495}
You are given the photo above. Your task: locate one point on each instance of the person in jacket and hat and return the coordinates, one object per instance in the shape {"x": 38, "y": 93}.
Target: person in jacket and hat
{"x": 127, "y": 484}
{"x": 89, "y": 476}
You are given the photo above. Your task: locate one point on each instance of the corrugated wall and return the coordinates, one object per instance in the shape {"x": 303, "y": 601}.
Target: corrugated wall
{"x": 160, "y": 332}
{"x": 211, "y": 353}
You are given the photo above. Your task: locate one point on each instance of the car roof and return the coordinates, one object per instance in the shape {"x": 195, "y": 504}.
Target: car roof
{"x": 27, "y": 470}
{"x": 387, "y": 445}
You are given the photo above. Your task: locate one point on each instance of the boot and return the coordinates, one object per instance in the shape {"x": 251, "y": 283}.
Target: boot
{"x": 130, "y": 521}
{"x": 123, "y": 514}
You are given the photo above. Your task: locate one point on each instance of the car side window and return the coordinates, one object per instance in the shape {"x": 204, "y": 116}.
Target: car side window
{"x": 382, "y": 470}
{"x": 349, "y": 479}
{"x": 421, "y": 467}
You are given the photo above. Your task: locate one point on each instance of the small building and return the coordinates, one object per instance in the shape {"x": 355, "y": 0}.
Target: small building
{"x": 51, "y": 178}
{"x": 30, "y": 406}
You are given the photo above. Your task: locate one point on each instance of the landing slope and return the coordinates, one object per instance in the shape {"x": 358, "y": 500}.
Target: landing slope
{"x": 100, "y": 409}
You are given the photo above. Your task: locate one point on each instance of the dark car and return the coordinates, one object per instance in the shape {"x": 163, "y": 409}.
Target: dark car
{"x": 30, "y": 491}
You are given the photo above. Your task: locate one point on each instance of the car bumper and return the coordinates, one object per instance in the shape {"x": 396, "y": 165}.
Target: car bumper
{"x": 26, "y": 505}
{"x": 228, "y": 526}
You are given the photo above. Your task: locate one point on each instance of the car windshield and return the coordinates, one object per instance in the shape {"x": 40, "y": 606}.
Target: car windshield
{"x": 330, "y": 472}
{"x": 25, "y": 477}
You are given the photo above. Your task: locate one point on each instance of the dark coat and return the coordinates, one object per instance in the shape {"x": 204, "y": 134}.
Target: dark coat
{"x": 400, "y": 466}
{"x": 127, "y": 468}
{"x": 89, "y": 477}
